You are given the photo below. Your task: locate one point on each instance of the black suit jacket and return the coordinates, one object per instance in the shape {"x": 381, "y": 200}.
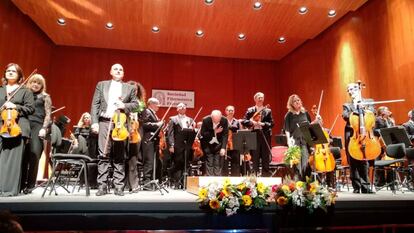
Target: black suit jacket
{"x": 267, "y": 119}
{"x": 175, "y": 137}
{"x": 380, "y": 123}
{"x": 100, "y": 99}
{"x": 149, "y": 125}
{"x": 207, "y": 133}
{"x": 409, "y": 127}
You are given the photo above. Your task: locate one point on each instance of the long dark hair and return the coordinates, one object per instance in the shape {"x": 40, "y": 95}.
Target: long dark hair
{"x": 141, "y": 93}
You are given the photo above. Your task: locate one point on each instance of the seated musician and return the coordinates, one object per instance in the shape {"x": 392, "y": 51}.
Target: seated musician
{"x": 409, "y": 125}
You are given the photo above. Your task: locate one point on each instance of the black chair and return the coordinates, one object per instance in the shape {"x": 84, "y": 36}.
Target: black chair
{"x": 73, "y": 164}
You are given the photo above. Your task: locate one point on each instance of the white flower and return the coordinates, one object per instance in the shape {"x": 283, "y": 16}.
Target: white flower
{"x": 231, "y": 211}
{"x": 253, "y": 193}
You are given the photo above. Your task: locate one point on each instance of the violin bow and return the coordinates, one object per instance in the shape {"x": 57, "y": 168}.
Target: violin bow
{"x": 320, "y": 103}
{"x": 333, "y": 125}
{"x": 198, "y": 113}
{"x": 57, "y": 110}
{"x": 18, "y": 88}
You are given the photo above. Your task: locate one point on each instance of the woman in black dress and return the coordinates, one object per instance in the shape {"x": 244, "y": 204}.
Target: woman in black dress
{"x": 295, "y": 115}
{"x": 12, "y": 148}
{"x": 40, "y": 122}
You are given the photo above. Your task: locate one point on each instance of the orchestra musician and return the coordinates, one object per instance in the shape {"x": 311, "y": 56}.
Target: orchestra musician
{"x": 295, "y": 115}
{"x": 382, "y": 121}
{"x": 12, "y": 146}
{"x": 358, "y": 168}
{"x": 263, "y": 128}
{"x": 109, "y": 96}
{"x": 134, "y": 152}
{"x": 40, "y": 122}
{"x": 176, "y": 143}
{"x": 232, "y": 154}
{"x": 150, "y": 148}
{"x": 214, "y": 136}
{"x": 409, "y": 125}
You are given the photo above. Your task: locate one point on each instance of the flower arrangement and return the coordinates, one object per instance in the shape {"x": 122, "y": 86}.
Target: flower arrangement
{"x": 230, "y": 198}
{"x": 310, "y": 195}
{"x": 292, "y": 156}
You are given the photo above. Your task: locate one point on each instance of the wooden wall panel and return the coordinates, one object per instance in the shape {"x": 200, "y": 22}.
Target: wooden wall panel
{"x": 217, "y": 82}
{"x": 373, "y": 44}
{"x": 22, "y": 42}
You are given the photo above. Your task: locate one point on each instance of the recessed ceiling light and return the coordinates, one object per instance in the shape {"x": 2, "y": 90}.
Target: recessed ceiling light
{"x": 208, "y": 2}
{"x": 257, "y": 5}
{"x": 109, "y": 25}
{"x": 303, "y": 10}
{"x": 241, "y": 36}
{"x": 155, "y": 29}
{"x": 199, "y": 33}
{"x": 281, "y": 40}
{"x": 61, "y": 21}
{"x": 331, "y": 13}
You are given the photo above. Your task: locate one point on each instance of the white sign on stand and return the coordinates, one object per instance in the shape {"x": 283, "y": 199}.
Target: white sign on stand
{"x": 166, "y": 97}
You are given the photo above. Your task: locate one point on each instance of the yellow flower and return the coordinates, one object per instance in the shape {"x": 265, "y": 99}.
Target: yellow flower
{"x": 241, "y": 186}
{"x": 226, "y": 182}
{"x": 282, "y": 201}
{"x": 261, "y": 187}
{"x": 285, "y": 188}
{"x": 214, "y": 204}
{"x": 225, "y": 192}
{"x": 313, "y": 187}
{"x": 247, "y": 200}
{"x": 300, "y": 184}
{"x": 202, "y": 193}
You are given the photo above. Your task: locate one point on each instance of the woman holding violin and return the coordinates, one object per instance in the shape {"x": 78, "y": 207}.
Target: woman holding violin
{"x": 295, "y": 115}
{"x": 40, "y": 121}
{"x": 136, "y": 134}
{"x": 359, "y": 168}
{"x": 17, "y": 104}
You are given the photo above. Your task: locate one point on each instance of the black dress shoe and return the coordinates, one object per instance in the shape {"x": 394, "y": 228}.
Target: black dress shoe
{"x": 367, "y": 191}
{"x": 356, "y": 191}
{"x": 119, "y": 192}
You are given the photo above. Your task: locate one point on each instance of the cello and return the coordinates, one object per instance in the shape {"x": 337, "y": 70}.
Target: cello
{"x": 363, "y": 145}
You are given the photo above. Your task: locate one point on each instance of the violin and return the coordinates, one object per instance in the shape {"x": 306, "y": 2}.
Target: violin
{"x": 119, "y": 132}
{"x": 197, "y": 151}
{"x": 363, "y": 145}
{"x": 257, "y": 116}
{"x": 163, "y": 142}
{"x": 10, "y": 128}
{"x": 134, "y": 136}
{"x": 230, "y": 141}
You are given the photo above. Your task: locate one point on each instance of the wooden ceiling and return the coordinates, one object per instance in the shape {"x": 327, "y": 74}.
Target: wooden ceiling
{"x": 178, "y": 21}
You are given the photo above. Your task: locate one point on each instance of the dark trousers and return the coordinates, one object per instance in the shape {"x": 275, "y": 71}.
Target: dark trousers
{"x": 179, "y": 163}
{"x": 214, "y": 162}
{"x": 32, "y": 154}
{"x": 132, "y": 165}
{"x": 261, "y": 154}
{"x": 116, "y": 152}
{"x": 149, "y": 150}
{"x": 358, "y": 169}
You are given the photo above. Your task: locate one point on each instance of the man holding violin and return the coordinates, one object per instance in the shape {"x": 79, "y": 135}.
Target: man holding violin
{"x": 111, "y": 96}
{"x": 259, "y": 119}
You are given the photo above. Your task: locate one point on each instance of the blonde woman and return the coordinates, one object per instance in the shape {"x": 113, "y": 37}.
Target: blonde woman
{"x": 40, "y": 122}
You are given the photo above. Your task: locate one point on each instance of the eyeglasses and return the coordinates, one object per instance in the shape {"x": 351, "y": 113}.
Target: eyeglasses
{"x": 8, "y": 71}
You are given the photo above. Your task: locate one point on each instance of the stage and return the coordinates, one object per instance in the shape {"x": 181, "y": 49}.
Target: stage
{"x": 178, "y": 210}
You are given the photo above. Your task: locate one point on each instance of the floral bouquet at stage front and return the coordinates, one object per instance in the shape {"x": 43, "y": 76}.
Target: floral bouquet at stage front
{"x": 292, "y": 156}
{"x": 299, "y": 194}
{"x": 230, "y": 198}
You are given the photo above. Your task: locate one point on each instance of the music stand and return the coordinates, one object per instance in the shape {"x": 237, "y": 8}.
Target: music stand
{"x": 244, "y": 141}
{"x": 154, "y": 180}
{"x": 189, "y": 137}
{"x": 313, "y": 135}
{"x": 281, "y": 139}
{"x": 395, "y": 135}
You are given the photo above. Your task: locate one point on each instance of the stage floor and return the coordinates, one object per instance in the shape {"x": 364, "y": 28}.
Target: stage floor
{"x": 178, "y": 210}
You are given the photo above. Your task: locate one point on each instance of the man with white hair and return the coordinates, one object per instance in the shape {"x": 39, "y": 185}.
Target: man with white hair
{"x": 177, "y": 143}
{"x": 150, "y": 148}
{"x": 110, "y": 96}
{"x": 214, "y": 136}
{"x": 259, "y": 119}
